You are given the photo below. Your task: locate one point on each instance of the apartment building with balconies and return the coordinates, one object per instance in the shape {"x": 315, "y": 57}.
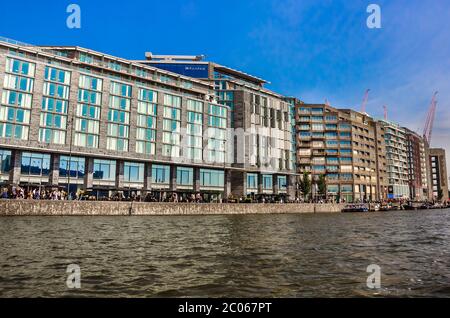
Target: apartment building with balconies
{"x": 397, "y": 160}
{"x": 417, "y": 166}
{"x": 344, "y": 145}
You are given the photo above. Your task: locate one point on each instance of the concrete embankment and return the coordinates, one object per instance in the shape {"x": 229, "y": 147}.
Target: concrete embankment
{"x": 93, "y": 208}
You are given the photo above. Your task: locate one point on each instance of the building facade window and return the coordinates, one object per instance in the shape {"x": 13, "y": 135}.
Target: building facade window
{"x": 346, "y": 188}
{"x": 55, "y": 100}
{"x": 252, "y": 181}
{"x": 171, "y": 137}
{"x": 146, "y": 122}
{"x": 35, "y": 164}
{"x": 267, "y": 182}
{"x": 5, "y": 161}
{"x": 160, "y": 174}
{"x": 72, "y": 166}
{"x": 86, "y": 58}
{"x": 15, "y": 109}
{"x": 133, "y": 172}
{"x": 211, "y": 178}
{"x": 282, "y": 183}
{"x": 118, "y": 117}
{"x": 217, "y": 124}
{"x": 194, "y": 137}
{"x": 87, "y": 121}
{"x": 185, "y": 176}
{"x": 104, "y": 170}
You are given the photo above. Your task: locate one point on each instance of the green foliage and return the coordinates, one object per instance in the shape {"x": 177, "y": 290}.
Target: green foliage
{"x": 305, "y": 185}
{"x": 322, "y": 185}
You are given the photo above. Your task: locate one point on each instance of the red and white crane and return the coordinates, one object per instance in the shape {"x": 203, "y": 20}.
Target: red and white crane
{"x": 428, "y": 130}
{"x": 385, "y": 109}
{"x": 365, "y": 99}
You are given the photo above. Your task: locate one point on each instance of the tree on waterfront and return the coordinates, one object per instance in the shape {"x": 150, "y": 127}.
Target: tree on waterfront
{"x": 322, "y": 185}
{"x": 305, "y": 185}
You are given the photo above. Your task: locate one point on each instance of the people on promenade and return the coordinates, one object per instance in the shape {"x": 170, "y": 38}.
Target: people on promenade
{"x": 56, "y": 194}
{"x": 17, "y": 192}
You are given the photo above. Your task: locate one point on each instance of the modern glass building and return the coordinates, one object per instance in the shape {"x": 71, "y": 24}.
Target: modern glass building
{"x": 262, "y": 120}
{"x": 80, "y": 119}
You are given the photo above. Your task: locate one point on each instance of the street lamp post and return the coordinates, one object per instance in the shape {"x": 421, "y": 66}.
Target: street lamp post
{"x": 70, "y": 156}
{"x": 224, "y": 169}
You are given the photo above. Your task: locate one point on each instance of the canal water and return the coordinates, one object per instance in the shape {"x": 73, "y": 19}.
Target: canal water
{"x": 227, "y": 256}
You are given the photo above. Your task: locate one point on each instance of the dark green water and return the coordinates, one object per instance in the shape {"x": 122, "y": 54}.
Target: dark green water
{"x": 235, "y": 256}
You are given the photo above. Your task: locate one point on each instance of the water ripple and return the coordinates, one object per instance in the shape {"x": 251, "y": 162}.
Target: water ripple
{"x": 227, "y": 256}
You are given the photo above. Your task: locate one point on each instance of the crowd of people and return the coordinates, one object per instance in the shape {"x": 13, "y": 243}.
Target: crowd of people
{"x": 42, "y": 193}
{"x": 16, "y": 192}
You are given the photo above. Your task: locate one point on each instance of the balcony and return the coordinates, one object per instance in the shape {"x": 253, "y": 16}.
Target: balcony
{"x": 304, "y": 160}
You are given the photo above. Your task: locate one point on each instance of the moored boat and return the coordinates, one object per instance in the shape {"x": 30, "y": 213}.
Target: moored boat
{"x": 355, "y": 208}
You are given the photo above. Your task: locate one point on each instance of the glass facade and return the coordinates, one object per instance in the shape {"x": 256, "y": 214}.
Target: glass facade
{"x": 72, "y": 166}
{"x": 55, "y": 100}
{"x": 185, "y": 176}
{"x": 160, "y": 174}
{"x": 146, "y": 122}
{"x": 118, "y": 117}
{"x": 212, "y": 178}
{"x": 171, "y": 137}
{"x": 133, "y": 172}
{"x": 217, "y": 124}
{"x": 282, "y": 183}
{"x": 252, "y": 181}
{"x": 104, "y": 170}
{"x": 15, "y": 109}
{"x": 35, "y": 164}
{"x": 194, "y": 137}
{"x": 5, "y": 161}
{"x": 87, "y": 121}
{"x": 267, "y": 182}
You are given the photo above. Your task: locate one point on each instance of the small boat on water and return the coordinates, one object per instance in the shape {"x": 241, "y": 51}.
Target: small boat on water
{"x": 412, "y": 206}
{"x": 349, "y": 208}
{"x": 431, "y": 206}
{"x": 385, "y": 208}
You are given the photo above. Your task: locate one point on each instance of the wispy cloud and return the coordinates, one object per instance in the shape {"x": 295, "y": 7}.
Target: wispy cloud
{"x": 322, "y": 49}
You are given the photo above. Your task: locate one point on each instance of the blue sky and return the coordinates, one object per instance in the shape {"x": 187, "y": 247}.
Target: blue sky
{"x": 312, "y": 49}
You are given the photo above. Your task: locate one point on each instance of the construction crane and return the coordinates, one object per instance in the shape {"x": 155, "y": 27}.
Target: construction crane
{"x": 385, "y": 109}
{"x": 327, "y": 102}
{"x": 428, "y": 130}
{"x": 365, "y": 99}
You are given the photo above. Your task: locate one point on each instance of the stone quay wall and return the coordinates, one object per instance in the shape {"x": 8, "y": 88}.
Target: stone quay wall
{"x": 94, "y": 208}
